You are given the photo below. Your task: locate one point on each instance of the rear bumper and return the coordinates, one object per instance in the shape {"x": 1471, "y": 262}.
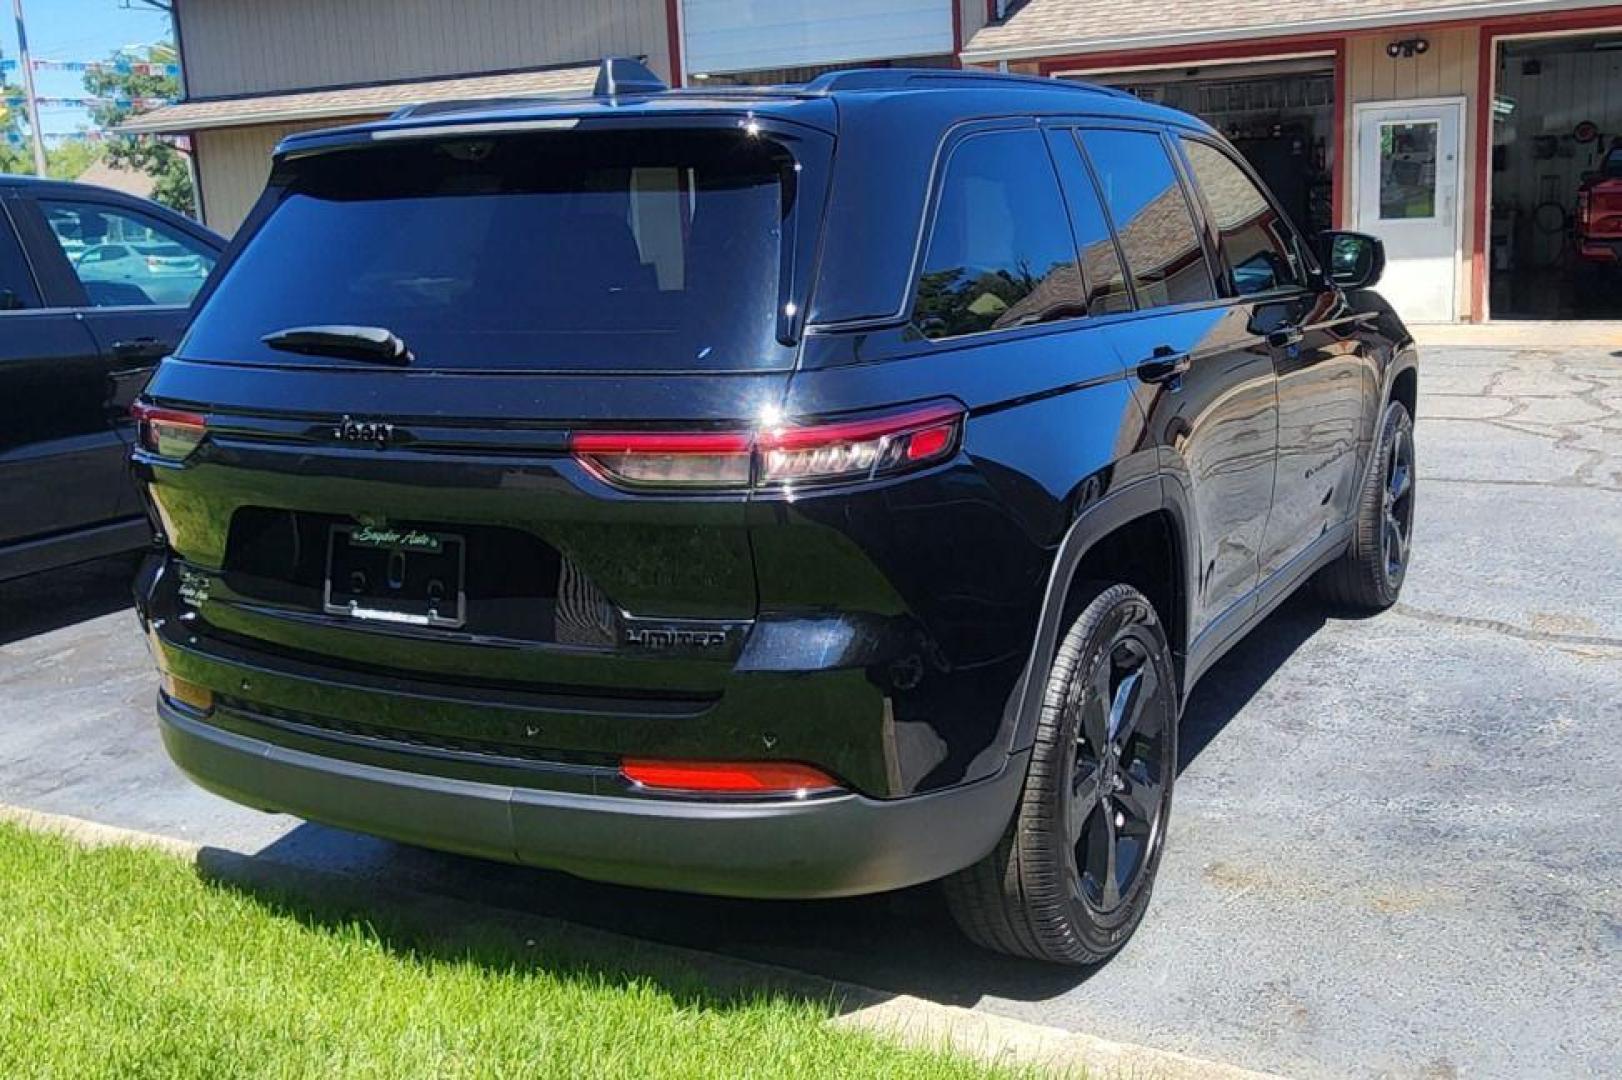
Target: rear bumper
{"x": 823, "y": 847}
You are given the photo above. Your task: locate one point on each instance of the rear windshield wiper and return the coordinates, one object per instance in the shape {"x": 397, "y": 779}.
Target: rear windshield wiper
{"x": 354, "y": 342}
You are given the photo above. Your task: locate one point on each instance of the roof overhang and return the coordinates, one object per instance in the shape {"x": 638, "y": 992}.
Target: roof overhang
{"x": 203, "y": 114}
{"x": 994, "y": 49}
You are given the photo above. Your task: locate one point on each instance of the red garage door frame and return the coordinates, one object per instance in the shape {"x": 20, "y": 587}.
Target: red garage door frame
{"x": 1493, "y": 34}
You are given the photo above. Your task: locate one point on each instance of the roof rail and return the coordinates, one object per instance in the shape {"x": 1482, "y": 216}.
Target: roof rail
{"x": 914, "y": 78}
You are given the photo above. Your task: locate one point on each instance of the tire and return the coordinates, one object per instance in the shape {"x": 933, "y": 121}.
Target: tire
{"x": 1045, "y": 893}
{"x": 1369, "y": 576}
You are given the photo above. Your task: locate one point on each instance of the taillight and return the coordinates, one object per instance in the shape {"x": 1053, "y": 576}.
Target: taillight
{"x": 169, "y": 433}
{"x": 776, "y": 455}
{"x": 1585, "y": 209}
{"x": 667, "y": 459}
{"x": 727, "y": 777}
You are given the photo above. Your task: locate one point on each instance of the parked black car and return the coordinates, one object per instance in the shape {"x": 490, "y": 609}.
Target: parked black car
{"x": 94, "y": 289}
{"x": 773, "y": 492}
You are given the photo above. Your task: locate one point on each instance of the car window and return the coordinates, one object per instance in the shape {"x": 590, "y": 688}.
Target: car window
{"x": 123, "y": 257}
{"x": 618, "y": 251}
{"x": 16, "y": 282}
{"x": 1257, "y": 239}
{"x": 1101, "y": 269}
{"x": 1151, "y": 216}
{"x": 1000, "y": 252}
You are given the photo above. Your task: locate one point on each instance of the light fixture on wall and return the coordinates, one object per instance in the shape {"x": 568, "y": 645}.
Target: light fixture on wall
{"x": 1408, "y": 48}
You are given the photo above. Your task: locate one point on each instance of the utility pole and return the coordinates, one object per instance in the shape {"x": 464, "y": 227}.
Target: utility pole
{"x": 31, "y": 101}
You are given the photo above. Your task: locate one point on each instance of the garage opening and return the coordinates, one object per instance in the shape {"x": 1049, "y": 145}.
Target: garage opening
{"x": 1556, "y": 234}
{"x": 1279, "y": 114}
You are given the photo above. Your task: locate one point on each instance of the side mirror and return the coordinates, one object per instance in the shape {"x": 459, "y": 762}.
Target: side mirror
{"x": 1352, "y": 260}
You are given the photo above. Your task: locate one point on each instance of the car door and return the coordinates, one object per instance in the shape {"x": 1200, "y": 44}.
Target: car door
{"x": 1314, "y": 350}
{"x": 1205, "y": 380}
{"x": 61, "y": 465}
{"x": 134, "y": 308}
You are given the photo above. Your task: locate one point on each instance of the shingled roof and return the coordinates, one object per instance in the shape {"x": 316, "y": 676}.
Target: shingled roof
{"x": 347, "y": 101}
{"x": 1058, "y": 27}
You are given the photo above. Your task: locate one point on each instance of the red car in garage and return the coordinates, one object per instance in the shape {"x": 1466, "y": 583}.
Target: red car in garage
{"x": 1599, "y": 212}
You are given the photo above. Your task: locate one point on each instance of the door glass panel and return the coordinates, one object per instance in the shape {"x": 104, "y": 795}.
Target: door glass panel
{"x": 1000, "y": 253}
{"x": 1257, "y": 239}
{"x": 1146, "y": 201}
{"x": 1100, "y": 265}
{"x": 1408, "y": 170}
{"x": 125, "y": 258}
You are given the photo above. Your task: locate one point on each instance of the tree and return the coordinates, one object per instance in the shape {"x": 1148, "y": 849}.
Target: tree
{"x": 69, "y": 160}
{"x": 161, "y": 160}
{"x": 13, "y": 143}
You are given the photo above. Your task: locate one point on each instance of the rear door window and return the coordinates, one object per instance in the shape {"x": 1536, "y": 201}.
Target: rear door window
{"x": 1258, "y": 242}
{"x": 1100, "y": 262}
{"x": 1146, "y": 202}
{"x": 125, "y": 258}
{"x": 658, "y": 250}
{"x": 1000, "y": 252}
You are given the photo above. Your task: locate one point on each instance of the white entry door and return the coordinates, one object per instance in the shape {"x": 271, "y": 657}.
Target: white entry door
{"x": 1407, "y": 187}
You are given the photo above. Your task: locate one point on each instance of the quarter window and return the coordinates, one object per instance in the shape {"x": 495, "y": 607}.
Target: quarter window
{"x": 1000, "y": 252}
{"x": 124, "y": 257}
{"x": 1151, "y": 215}
{"x": 1255, "y": 236}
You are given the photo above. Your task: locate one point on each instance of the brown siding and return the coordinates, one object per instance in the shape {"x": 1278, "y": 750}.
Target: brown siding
{"x": 254, "y": 46}
{"x": 233, "y": 163}
{"x": 1447, "y": 70}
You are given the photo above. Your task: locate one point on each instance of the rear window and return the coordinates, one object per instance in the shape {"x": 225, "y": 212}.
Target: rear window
{"x": 641, "y": 251}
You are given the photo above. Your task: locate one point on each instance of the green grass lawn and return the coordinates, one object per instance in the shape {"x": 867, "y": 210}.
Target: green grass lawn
{"x": 118, "y": 962}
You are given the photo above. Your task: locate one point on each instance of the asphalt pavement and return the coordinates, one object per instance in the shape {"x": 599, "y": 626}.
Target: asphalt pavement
{"x": 1396, "y": 848}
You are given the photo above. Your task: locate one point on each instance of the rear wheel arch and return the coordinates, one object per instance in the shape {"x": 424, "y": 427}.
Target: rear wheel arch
{"x": 1405, "y": 388}
{"x": 1136, "y": 535}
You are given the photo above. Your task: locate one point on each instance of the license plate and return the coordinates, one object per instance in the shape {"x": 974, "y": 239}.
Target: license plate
{"x": 395, "y": 575}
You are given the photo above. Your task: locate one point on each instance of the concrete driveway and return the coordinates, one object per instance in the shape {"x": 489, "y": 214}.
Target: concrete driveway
{"x": 1397, "y": 845}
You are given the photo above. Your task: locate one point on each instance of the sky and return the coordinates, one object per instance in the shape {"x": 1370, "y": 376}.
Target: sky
{"x": 75, "y": 30}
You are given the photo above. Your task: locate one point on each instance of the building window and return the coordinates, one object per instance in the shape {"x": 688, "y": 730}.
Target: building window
{"x": 1408, "y": 170}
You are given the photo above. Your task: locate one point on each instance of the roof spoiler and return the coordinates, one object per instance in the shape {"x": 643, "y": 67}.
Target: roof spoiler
{"x": 623, "y": 75}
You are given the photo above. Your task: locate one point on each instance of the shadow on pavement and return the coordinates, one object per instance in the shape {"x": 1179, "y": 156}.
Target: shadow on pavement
{"x": 40, "y": 603}
{"x": 901, "y": 942}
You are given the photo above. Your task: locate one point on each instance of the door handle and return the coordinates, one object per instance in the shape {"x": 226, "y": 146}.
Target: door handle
{"x": 142, "y": 348}
{"x": 1285, "y": 337}
{"x": 1165, "y": 365}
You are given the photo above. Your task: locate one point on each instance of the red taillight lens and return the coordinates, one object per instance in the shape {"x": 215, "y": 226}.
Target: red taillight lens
{"x": 667, "y": 459}
{"x": 858, "y": 449}
{"x": 1585, "y": 209}
{"x": 727, "y": 777}
{"x": 168, "y": 433}
{"x": 780, "y": 456}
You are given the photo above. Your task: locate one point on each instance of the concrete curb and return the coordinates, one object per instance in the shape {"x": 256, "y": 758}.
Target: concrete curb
{"x": 901, "y": 1018}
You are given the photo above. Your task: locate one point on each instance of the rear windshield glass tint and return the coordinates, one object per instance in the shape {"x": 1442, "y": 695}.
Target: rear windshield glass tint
{"x": 639, "y": 251}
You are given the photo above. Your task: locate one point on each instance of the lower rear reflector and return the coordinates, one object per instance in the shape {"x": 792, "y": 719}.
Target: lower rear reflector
{"x": 727, "y": 777}
{"x": 197, "y": 697}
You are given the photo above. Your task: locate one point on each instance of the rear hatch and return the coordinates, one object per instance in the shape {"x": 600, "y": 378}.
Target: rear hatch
{"x": 413, "y": 508}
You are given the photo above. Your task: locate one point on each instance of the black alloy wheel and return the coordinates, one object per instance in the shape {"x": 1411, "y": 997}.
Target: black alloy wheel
{"x": 1071, "y": 878}
{"x": 1118, "y": 780}
{"x": 1369, "y": 576}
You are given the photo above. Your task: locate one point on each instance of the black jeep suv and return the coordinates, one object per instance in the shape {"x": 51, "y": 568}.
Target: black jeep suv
{"x": 786, "y": 492}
